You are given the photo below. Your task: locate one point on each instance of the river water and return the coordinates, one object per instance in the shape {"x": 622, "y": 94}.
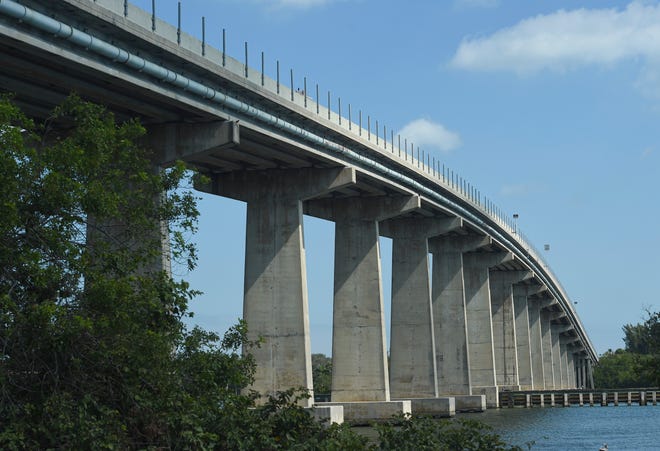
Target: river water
{"x": 577, "y": 428}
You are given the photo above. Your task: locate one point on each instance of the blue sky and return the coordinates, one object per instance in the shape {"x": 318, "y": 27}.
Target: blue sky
{"x": 551, "y": 109}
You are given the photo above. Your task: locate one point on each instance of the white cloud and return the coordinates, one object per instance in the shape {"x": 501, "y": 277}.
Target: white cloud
{"x": 567, "y": 39}
{"x": 430, "y": 135}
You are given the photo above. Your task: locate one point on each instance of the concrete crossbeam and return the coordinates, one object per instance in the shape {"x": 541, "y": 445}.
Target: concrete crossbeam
{"x": 191, "y": 141}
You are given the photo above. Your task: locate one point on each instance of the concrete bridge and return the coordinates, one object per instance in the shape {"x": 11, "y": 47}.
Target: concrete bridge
{"x": 489, "y": 316}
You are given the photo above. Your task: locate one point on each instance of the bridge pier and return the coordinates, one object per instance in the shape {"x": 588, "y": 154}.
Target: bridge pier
{"x": 359, "y": 349}
{"x": 557, "y": 371}
{"x": 546, "y": 337}
{"x": 536, "y": 343}
{"x": 449, "y": 311}
{"x": 477, "y": 267}
{"x": 505, "y": 327}
{"x": 412, "y": 345}
{"x": 528, "y": 336}
{"x": 275, "y": 304}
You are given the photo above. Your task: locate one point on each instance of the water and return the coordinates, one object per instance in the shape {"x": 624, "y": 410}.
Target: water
{"x": 577, "y": 428}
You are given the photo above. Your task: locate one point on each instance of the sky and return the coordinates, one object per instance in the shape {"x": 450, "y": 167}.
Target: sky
{"x": 551, "y": 109}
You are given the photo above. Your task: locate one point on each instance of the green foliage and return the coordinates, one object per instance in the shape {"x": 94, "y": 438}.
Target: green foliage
{"x": 620, "y": 369}
{"x": 639, "y": 364}
{"x": 407, "y": 433}
{"x": 322, "y": 374}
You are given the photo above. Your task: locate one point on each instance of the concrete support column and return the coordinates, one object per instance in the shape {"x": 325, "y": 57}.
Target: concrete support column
{"x": 582, "y": 373}
{"x": 479, "y": 321}
{"x": 536, "y": 344}
{"x": 564, "y": 366}
{"x": 504, "y": 326}
{"x": 449, "y": 312}
{"x": 546, "y": 337}
{"x": 528, "y": 337}
{"x": 412, "y": 345}
{"x": 359, "y": 352}
{"x": 590, "y": 374}
{"x": 275, "y": 305}
{"x": 571, "y": 368}
{"x": 556, "y": 357}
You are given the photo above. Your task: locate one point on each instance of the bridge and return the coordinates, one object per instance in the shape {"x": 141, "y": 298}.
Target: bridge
{"x": 488, "y": 316}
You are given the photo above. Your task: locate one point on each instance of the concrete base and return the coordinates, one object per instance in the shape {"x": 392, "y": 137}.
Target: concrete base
{"x": 434, "y": 407}
{"x": 470, "y": 403}
{"x": 365, "y": 412}
{"x": 492, "y": 395}
{"x": 328, "y": 414}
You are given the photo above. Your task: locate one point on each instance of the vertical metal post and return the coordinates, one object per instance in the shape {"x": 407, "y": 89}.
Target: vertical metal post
{"x": 246, "y": 59}
{"x": 339, "y": 108}
{"x": 369, "y": 127}
{"x": 224, "y": 47}
{"x": 350, "y": 120}
{"x": 178, "y": 24}
{"x": 125, "y": 8}
{"x": 434, "y": 172}
{"x": 377, "y": 132}
{"x": 399, "y": 137}
{"x": 405, "y": 149}
{"x": 318, "y": 100}
{"x": 360, "y": 123}
{"x": 278, "y": 76}
{"x": 292, "y": 89}
{"x": 153, "y": 15}
{"x": 305, "y": 90}
{"x": 392, "y": 140}
{"x": 328, "y": 105}
{"x": 263, "y": 69}
{"x": 385, "y": 136}
{"x": 203, "y": 36}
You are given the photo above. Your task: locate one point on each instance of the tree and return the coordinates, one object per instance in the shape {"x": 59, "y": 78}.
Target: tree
{"x": 322, "y": 374}
{"x": 86, "y": 333}
{"x": 638, "y": 365}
